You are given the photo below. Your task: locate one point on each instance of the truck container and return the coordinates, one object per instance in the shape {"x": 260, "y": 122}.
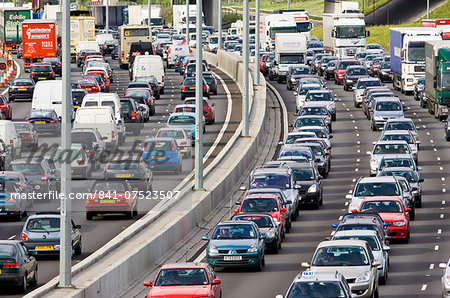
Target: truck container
{"x": 274, "y": 24}
{"x": 408, "y": 55}
{"x": 82, "y": 28}
{"x": 290, "y": 49}
{"x": 39, "y": 41}
{"x": 118, "y": 15}
{"x": 11, "y": 26}
{"x": 138, "y": 15}
{"x": 179, "y": 16}
{"x": 301, "y": 18}
{"x": 344, "y": 34}
{"x": 437, "y": 77}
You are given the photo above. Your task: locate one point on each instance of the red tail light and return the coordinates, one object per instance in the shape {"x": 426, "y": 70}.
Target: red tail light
{"x": 33, "y": 73}
{"x": 28, "y": 137}
{"x": 149, "y": 100}
{"x": 52, "y": 121}
{"x": 140, "y": 166}
{"x": 112, "y": 134}
{"x": 28, "y": 120}
{"x": 107, "y": 167}
{"x": 44, "y": 177}
{"x": 183, "y": 88}
{"x": 51, "y": 73}
{"x": 10, "y": 265}
{"x": 204, "y": 87}
{"x": 24, "y": 237}
{"x": 11, "y": 143}
{"x": 163, "y": 78}
{"x": 184, "y": 143}
{"x": 133, "y": 115}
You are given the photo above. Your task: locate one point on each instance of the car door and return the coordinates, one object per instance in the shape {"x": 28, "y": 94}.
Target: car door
{"x": 76, "y": 235}
{"x": 212, "y": 276}
{"x": 26, "y": 262}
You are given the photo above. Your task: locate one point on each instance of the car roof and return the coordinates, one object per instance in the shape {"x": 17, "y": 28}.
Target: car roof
{"x": 391, "y": 142}
{"x": 377, "y": 179}
{"x": 233, "y": 222}
{"x": 318, "y": 276}
{"x": 44, "y": 215}
{"x": 382, "y": 198}
{"x": 393, "y": 169}
{"x": 396, "y": 132}
{"x": 397, "y": 156}
{"x": 158, "y": 139}
{"x": 355, "y": 233}
{"x": 271, "y": 171}
{"x": 182, "y": 114}
{"x": 184, "y": 265}
{"x": 260, "y": 196}
{"x": 400, "y": 120}
{"x": 252, "y": 214}
{"x": 346, "y": 242}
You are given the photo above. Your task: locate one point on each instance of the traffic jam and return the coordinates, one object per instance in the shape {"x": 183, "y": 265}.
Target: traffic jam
{"x": 112, "y": 151}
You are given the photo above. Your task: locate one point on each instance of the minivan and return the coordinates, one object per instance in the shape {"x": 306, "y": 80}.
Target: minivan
{"x": 8, "y": 133}
{"x": 149, "y": 65}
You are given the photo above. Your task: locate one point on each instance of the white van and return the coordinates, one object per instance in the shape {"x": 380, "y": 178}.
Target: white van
{"x": 9, "y": 135}
{"x": 48, "y": 95}
{"x": 176, "y": 51}
{"x": 87, "y": 45}
{"x": 100, "y": 118}
{"x": 108, "y": 99}
{"x": 149, "y": 65}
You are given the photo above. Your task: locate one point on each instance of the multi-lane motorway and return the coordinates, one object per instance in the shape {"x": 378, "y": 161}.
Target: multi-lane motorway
{"x": 99, "y": 231}
{"x": 414, "y": 268}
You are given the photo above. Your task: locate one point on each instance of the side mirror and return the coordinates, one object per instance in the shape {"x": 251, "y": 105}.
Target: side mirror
{"x": 147, "y": 283}
{"x": 386, "y": 248}
{"x": 288, "y": 202}
{"x": 317, "y": 160}
{"x": 213, "y": 104}
{"x": 295, "y": 93}
{"x": 434, "y": 83}
{"x": 291, "y": 125}
{"x": 216, "y": 281}
{"x": 419, "y": 168}
{"x": 374, "y": 142}
{"x": 368, "y": 152}
{"x": 283, "y": 210}
{"x": 279, "y": 296}
{"x": 334, "y": 226}
{"x": 262, "y": 237}
{"x": 205, "y": 238}
{"x": 407, "y": 210}
{"x": 330, "y": 137}
{"x": 305, "y": 265}
{"x": 353, "y": 88}
{"x": 367, "y": 33}
{"x": 376, "y": 264}
{"x": 238, "y": 203}
{"x": 421, "y": 180}
{"x": 297, "y": 186}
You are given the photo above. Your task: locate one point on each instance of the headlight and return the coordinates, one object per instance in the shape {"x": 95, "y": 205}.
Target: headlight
{"x": 293, "y": 80}
{"x": 378, "y": 118}
{"x": 312, "y": 188}
{"x": 444, "y": 110}
{"x": 252, "y": 248}
{"x": 363, "y": 277}
{"x": 410, "y": 80}
{"x": 399, "y": 223}
{"x": 270, "y": 234}
{"x": 349, "y": 81}
{"x": 213, "y": 249}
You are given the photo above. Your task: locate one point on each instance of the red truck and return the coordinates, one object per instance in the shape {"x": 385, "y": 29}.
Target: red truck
{"x": 38, "y": 41}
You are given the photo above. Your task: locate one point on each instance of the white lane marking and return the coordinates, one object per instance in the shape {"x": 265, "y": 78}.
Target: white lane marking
{"x": 357, "y": 134}
{"x": 436, "y": 247}
{"x": 340, "y": 218}
{"x": 424, "y": 287}
{"x": 357, "y": 160}
{"x": 442, "y": 215}
{"x": 359, "y": 151}
{"x": 12, "y": 237}
{"x": 438, "y": 158}
{"x": 356, "y": 170}
{"x": 354, "y": 180}
{"x": 444, "y": 190}
{"x": 353, "y": 121}
{"x": 346, "y": 203}
{"x": 332, "y": 233}
{"x": 439, "y": 231}
{"x": 356, "y": 127}
{"x": 431, "y": 266}
{"x": 358, "y": 142}
{"x": 428, "y": 133}
{"x": 348, "y": 109}
{"x": 443, "y": 202}
{"x": 201, "y": 256}
{"x": 414, "y": 113}
{"x": 441, "y": 168}
{"x": 424, "y": 126}
{"x": 351, "y": 115}
{"x": 431, "y": 141}
{"x": 443, "y": 178}
{"x": 350, "y": 191}
{"x": 434, "y": 149}
{"x": 420, "y": 120}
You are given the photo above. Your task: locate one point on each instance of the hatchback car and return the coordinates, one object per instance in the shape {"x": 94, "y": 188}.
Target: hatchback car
{"x": 183, "y": 140}
{"x": 209, "y": 111}
{"x": 352, "y": 74}
{"x": 188, "y": 88}
{"x": 5, "y": 108}
{"x": 186, "y": 121}
{"x": 324, "y": 97}
{"x": 341, "y": 67}
{"x": 41, "y": 72}
{"x": 236, "y": 244}
{"x": 383, "y": 110}
{"x": 28, "y": 135}
{"x": 211, "y": 81}
{"x": 162, "y": 154}
{"x": 21, "y": 88}
{"x": 38, "y": 173}
{"x": 359, "y": 87}
{"x": 295, "y": 73}
{"x": 44, "y": 121}
{"x": 382, "y": 148}
{"x": 131, "y": 169}
{"x": 55, "y": 63}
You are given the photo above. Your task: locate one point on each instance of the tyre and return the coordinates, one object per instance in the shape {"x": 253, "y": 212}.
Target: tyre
{"x": 384, "y": 277}
{"x": 279, "y": 81}
{"x": 183, "y": 97}
{"x": 317, "y": 204}
{"x": 89, "y": 215}
{"x": 34, "y": 281}
{"x": 78, "y": 249}
{"x": 162, "y": 90}
{"x": 373, "y": 127}
{"x": 375, "y": 293}
{"x": 24, "y": 284}
{"x": 275, "y": 249}
{"x": 333, "y": 117}
{"x": 129, "y": 214}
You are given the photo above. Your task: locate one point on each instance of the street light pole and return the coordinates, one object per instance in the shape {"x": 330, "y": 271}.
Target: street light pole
{"x": 199, "y": 101}
{"x": 257, "y": 32}
{"x": 150, "y": 15}
{"x": 428, "y": 9}
{"x": 187, "y": 22}
{"x": 219, "y": 26}
{"x": 65, "y": 256}
{"x": 107, "y": 17}
{"x": 245, "y": 50}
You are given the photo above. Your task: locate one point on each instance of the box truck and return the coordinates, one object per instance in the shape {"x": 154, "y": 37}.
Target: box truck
{"x": 290, "y": 49}
{"x": 11, "y": 26}
{"x": 39, "y": 41}
{"x": 82, "y": 28}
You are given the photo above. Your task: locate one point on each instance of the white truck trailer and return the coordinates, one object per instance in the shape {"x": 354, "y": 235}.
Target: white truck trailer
{"x": 290, "y": 49}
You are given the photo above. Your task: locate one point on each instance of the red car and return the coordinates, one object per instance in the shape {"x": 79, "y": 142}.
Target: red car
{"x": 341, "y": 67}
{"x": 392, "y": 211}
{"x": 90, "y": 86}
{"x": 208, "y": 109}
{"x": 374, "y": 67}
{"x": 5, "y": 107}
{"x": 185, "y": 280}
{"x": 105, "y": 77}
{"x": 268, "y": 203}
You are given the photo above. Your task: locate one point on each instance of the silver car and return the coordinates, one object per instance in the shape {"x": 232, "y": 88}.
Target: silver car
{"x": 382, "y": 148}
{"x": 445, "y": 279}
{"x": 405, "y": 135}
{"x": 180, "y": 136}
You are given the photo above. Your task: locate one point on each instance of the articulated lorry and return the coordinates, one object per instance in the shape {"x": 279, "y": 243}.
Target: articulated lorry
{"x": 290, "y": 49}
{"x": 179, "y": 17}
{"x": 301, "y": 18}
{"x": 408, "y": 55}
{"x": 11, "y": 26}
{"x": 118, "y": 15}
{"x": 82, "y": 28}
{"x": 437, "y": 77}
{"x": 275, "y": 24}
{"x": 39, "y": 41}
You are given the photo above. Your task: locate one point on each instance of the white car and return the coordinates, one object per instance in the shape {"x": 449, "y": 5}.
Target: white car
{"x": 180, "y": 136}
{"x": 445, "y": 279}
{"x": 382, "y": 148}
{"x": 301, "y": 95}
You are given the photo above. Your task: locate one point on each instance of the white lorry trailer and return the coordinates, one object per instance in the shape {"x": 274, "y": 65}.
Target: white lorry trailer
{"x": 273, "y": 24}
{"x": 290, "y": 49}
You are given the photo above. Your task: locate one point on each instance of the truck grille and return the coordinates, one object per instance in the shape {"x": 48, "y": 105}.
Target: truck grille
{"x": 419, "y": 68}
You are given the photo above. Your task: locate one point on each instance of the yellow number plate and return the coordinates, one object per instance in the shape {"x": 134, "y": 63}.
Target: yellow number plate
{"x": 22, "y": 89}
{"x": 158, "y": 157}
{"x": 45, "y": 247}
{"x": 42, "y": 78}
{"x": 123, "y": 175}
{"x": 76, "y": 107}
{"x": 107, "y": 201}
{"x": 39, "y": 121}
{"x": 191, "y": 87}
{"x": 88, "y": 89}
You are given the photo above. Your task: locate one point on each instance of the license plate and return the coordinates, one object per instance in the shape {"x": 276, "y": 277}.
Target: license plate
{"x": 72, "y": 171}
{"x": 45, "y": 247}
{"x": 232, "y": 258}
{"x": 88, "y": 89}
{"x": 42, "y": 78}
{"x": 112, "y": 48}
{"x": 39, "y": 122}
{"x": 123, "y": 175}
{"x": 191, "y": 87}
{"x": 22, "y": 89}
{"x": 157, "y": 157}
{"x": 107, "y": 201}
{"x": 0, "y": 271}
{"x": 76, "y": 107}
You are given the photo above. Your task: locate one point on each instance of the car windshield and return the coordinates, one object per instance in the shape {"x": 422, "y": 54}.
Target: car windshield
{"x": 270, "y": 181}
{"x": 382, "y": 207}
{"x": 300, "y": 70}
{"x": 319, "y": 132}
{"x": 370, "y": 189}
{"x": 123, "y": 165}
{"x": 397, "y": 162}
{"x": 85, "y": 138}
{"x": 261, "y": 221}
{"x": 192, "y": 102}
{"x": 391, "y": 149}
{"x": 181, "y": 277}
{"x": 22, "y": 83}
{"x": 316, "y": 289}
{"x": 314, "y": 111}
{"x": 305, "y": 89}
{"x": 28, "y": 168}
{"x": 385, "y": 65}
{"x": 7, "y": 251}
{"x": 22, "y": 127}
{"x": 176, "y": 134}
{"x": 291, "y": 59}
{"x": 42, "y": 68}
{"x": 182, "y": 120}
{"x": 407, "y": 138}
{"x": 292, "y": 138}
{"x": 319, "y": 96}
{"x": 309, "y": 122}
{"x": 357, "y": 71}
{"x": 400, "y": 125}
{"x": 303, "y": 174}
{"x": 340, "y": 256}
{"x": 234, "y": 231}
{"x": 43, "y": 225}
{"x": 364, "y": 84}
{"x": 108, "y": 186}
{"x": 158, "y": 146}
{"x": 408, "y": 175}
{"x": 370, "y": 239}
{"x": 343, "y": 65}
{"x": 388, "y": 106}
{"x": 259, "y": 205}
{"x": 296, "y": 152}
{"x": 39, "y": 114}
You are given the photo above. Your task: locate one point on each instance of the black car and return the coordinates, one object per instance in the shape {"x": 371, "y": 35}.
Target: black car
{"x": 19, "y": 268}
{"x": 27, "y": 134}
{"x": 188, "y": 88}
{"x": 329, "y": 70}
{"x": 295, "y": 73}
{"x": 308, "y": 183}
{"x": 134, "y": 120}
{"x": 44, "y": 121}
{"x": 131, "y": 169}
{"x": 21, "y": 88}
{"x": 115, "y": 53}
{"x": 108, "y": 46}
{"x": 323, "y": 64}
{"x": 41, "y": 72}
{"x": 419, "y": 87}
{"x": 38, "y": 173}
{"x": 384, "y": 72}
{"x": 56, "y": 64}
{"x": 77, "y": 97}
{"x": 211, "y": 81}
{"x": 352, "y": 74}
{"x": 142, "y": 96}
{"x": 153, "y": 82}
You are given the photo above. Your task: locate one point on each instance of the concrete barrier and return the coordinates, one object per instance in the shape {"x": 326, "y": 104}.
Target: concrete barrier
{"x": 111, "y": 270}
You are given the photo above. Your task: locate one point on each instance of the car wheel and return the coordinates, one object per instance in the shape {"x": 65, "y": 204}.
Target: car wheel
{"x": 135, "y": 211}
{"x": 24, "y": 284}
{"x": 129, "y": 214}
{"x": 412, "y": 215}
{"x": 34, "y": 281}
{"x": 89, "y": 215}
{"x": 18, "y": 217}
{"x": 283, "y": 233}
{"x": 321, "y": 198}
{"x": 161, "y": 91}
{"x": 333, "y": 117}
{"x": 373, "y": 127}
{"x": 78, "y": 249}
{"x": 276, "y": 248}
{"x": 317, "y": 204}
{"x": 287, "y": 228}
{"x": 384, "y": 277}
{"x": 279, "y": 81}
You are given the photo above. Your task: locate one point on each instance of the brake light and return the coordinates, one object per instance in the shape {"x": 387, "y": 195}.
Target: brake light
{"x": 10, "y": 265}
{"x": 140, "y": 166}
{"x": 28, "y": 120}
{"x": 107, "y": 167}
{"x": 24, "y": 237}
{"x": 112, "y": 135}
{"x": 28, "y": 137}
{"x": 33, "y": 73}
{"x": 163, "y": 78}
{"x": 11, "y": 143}
{"x": 51, "y": 73}
{"x": 183, "y": 87}
{"x": 52, "y": 121}
{"x": 44, "y": 177}
{"x": 133, "y": 115}
{"x": 184, "y": 143}
{"x": 204, "y": 87}
{"x": 149, "y": 100}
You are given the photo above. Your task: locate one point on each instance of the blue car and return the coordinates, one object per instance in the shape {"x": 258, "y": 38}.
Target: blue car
{"x": 162, "y": 154}
{"x": 236, "y": 244}
{"x": 186, "y": 121}
{"x": 44, "y": 121}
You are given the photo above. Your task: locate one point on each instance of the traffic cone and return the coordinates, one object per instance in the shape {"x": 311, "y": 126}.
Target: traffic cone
{"x": 2, "y": 82}
{"x": 8, "y": 74}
